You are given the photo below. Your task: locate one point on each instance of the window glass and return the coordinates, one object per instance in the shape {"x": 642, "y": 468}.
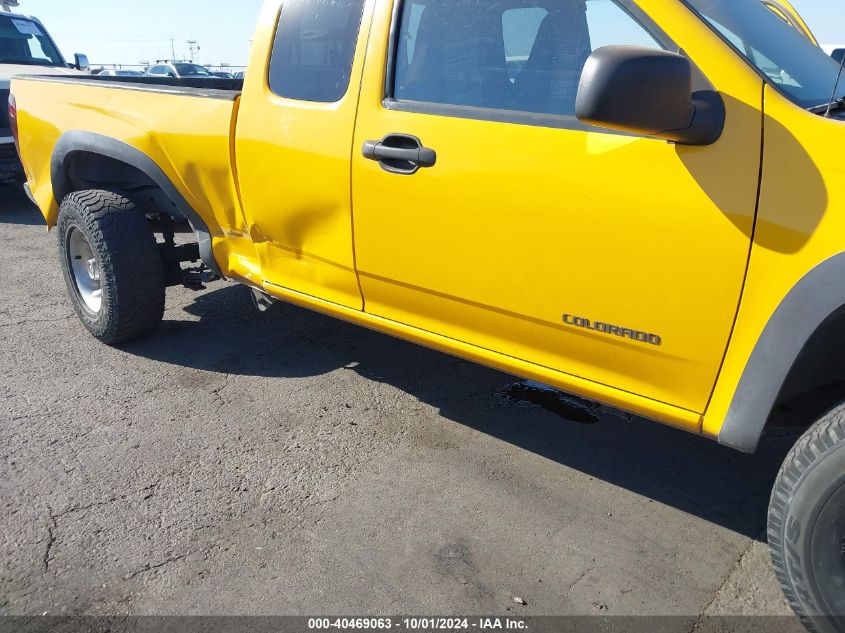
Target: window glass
{"x": 39, "y": 50}
{"x": 505, "y": 54}
{"x": 192, "y": 69}
{"x": 519, "y": 31}
{"x": 314, "y": 48}
{"x": 733, "y": 38}
{"x": 800, "y": 69}
{"x": 415, "y": 12}
{"x": 24, "y": 42}
{"x": 610, "y": 24}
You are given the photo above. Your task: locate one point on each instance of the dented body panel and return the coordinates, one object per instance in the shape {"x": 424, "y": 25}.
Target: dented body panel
{"x": 639, "y": 273}
{"x": 187, "y": 137}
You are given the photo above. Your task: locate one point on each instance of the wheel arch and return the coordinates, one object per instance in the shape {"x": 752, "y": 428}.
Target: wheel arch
{"x": 85, "y": 160}
{"x": 795, "y": 345}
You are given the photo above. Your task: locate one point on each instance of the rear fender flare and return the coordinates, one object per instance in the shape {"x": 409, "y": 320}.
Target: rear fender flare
{"x": 74, "y": 142}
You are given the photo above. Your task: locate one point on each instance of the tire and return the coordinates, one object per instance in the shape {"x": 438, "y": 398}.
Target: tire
{"x": 112, "y": 266}
{"x": 806, "y": 526}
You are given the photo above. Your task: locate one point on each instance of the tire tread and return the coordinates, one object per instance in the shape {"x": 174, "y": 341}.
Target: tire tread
{"x": 129, "y": 259}
{"x": 824, "y": 436}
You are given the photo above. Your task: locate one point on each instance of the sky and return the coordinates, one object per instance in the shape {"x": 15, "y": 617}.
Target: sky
{"x": 826, "y": 19}
{"x": 126, "y": 32}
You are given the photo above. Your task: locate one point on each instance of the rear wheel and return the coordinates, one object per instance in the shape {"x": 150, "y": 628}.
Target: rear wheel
{"x": 112, "y": 266}
{"x": 806, "y": 527}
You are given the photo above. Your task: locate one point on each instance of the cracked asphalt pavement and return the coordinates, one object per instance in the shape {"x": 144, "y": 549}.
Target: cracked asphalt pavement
{"x": 287, "y": 463}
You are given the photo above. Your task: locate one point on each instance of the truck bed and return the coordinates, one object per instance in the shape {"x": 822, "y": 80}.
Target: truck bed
{"x": 219, "y": 88}
{"x": 184, "y": 126}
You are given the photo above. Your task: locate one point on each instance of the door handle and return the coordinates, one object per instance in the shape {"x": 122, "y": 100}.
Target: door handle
{"x": 400, "y": 154}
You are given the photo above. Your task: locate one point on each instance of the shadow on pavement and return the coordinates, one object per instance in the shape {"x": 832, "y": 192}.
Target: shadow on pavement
{"x": 689, "y": 473}
{"x": 15, "y": 208}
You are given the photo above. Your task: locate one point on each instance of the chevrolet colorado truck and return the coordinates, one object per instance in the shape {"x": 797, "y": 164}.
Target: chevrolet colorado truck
{"x": 638, "y": 201}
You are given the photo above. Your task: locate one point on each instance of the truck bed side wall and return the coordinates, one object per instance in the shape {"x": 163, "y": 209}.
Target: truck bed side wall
{"x": 187, "y": 137}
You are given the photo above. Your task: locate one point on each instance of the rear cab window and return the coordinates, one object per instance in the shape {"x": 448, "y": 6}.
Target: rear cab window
{"x": 314, "y": 49}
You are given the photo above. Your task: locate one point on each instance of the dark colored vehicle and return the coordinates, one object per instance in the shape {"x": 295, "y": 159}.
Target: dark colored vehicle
{"x": 181, "y": 70}
{"x": 25, "y": 48}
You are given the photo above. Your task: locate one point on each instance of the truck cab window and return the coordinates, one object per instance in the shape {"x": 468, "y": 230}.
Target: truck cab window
{"x": 314, "y": 48}
{"x": 520, "y": 28}
{"x": 505, "y": 55}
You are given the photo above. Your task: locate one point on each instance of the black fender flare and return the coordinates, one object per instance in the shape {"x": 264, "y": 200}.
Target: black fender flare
{"x": 815, "y": 298}
{"x": 79, "y": 141}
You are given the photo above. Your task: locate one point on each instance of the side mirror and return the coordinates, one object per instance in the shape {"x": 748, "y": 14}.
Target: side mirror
{"x": 838, "y": 55}
{"x": 648, "y": 91}
{"x": 171, "y": 74}
{"x": 80, "y": 62}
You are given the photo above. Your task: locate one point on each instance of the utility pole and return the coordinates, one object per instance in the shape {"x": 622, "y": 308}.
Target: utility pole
{"x": 172, "y": 49}
{"x": 193, "y": 46}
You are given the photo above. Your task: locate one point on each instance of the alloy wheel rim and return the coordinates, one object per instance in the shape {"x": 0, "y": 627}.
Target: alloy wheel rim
{"x": 85, "y": 271}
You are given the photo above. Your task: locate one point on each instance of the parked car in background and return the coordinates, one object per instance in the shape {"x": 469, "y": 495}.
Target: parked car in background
{"x": 240, "y": 75}
{"x": 180, "y": 70}
{"x": 121, "y": 73}
{"x": 837, "y": 51}
{"x": 25, "y": 48}
{"x": 222, "y": 75}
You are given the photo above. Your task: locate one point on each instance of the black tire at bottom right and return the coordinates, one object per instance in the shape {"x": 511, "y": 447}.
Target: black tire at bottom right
{"x": 806, "y": 525}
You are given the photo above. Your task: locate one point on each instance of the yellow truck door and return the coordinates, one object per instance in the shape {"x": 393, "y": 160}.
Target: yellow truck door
{"x": 293, "y": 142}
{"x": 611, "y": 257}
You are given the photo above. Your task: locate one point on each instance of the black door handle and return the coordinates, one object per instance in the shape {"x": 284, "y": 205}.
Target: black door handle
{"x": 400, "y": 154}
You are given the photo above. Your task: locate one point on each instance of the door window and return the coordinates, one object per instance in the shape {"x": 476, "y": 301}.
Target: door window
{"x": 505, "y": 54}
{"x": 314, "y": 48}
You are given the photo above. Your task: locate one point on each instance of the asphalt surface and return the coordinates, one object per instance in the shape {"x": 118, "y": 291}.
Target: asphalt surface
{"x": 287, "y": 463}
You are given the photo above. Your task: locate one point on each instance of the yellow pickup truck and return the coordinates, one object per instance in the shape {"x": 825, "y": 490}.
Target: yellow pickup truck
{"x": 638, "y": 201}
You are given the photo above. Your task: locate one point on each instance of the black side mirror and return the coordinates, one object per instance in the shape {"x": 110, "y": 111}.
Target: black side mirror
{"x": 838, "y": 55}
{"x": 80, "y": 62}
{"x": 648, "y": 91}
